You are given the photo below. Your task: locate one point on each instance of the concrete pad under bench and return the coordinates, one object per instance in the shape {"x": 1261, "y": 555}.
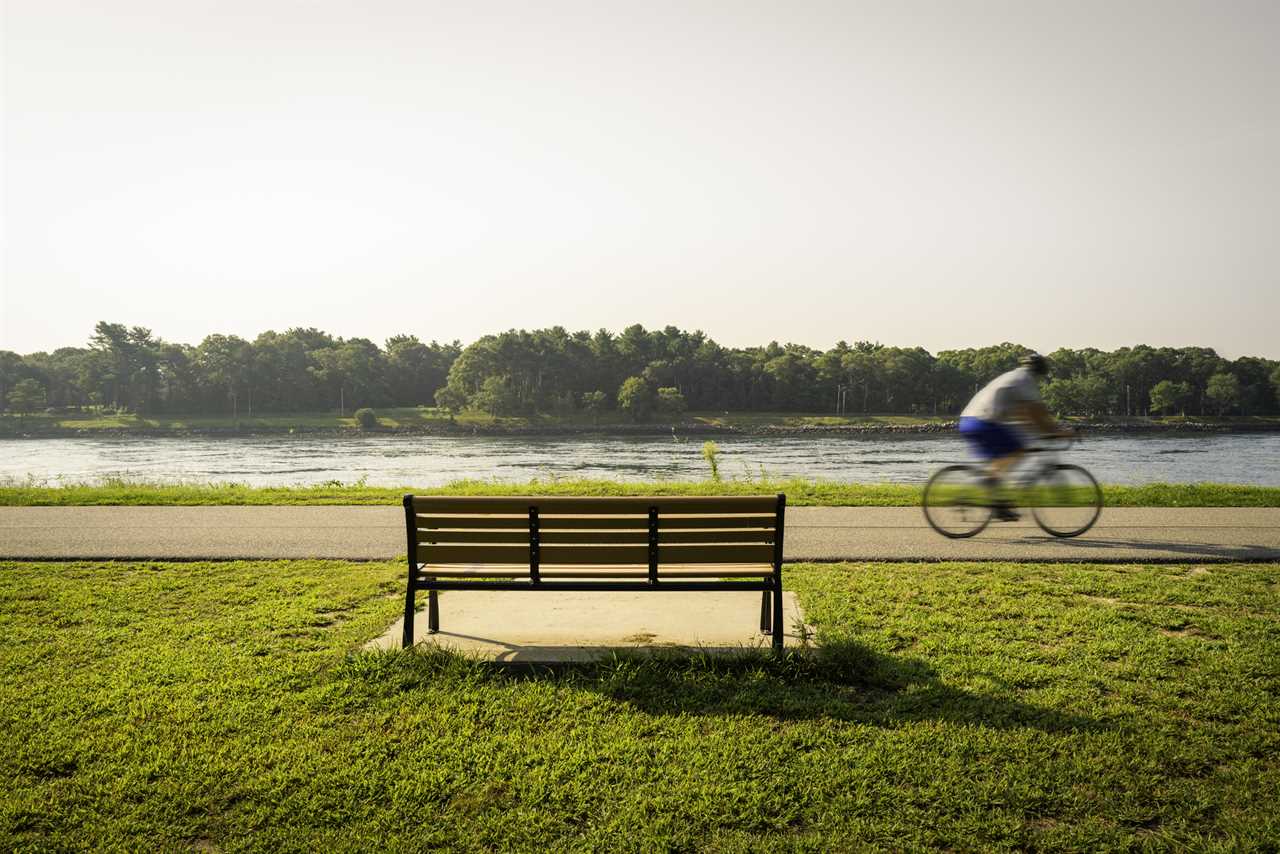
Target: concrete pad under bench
{"x": 553, "y": 626}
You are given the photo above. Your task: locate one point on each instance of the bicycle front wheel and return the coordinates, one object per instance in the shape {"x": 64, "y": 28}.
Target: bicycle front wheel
{"x": 957, "y": 502}
{"x": 1065, "y": 500}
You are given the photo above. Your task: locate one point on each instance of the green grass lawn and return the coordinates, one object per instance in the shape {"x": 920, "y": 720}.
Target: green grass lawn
{"x": 799, "y": 492}
{"x": 225, "y": 706}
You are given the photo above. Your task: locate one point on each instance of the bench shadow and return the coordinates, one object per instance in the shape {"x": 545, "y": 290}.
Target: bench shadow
{"x": 844, "y": 680}
{"x": 517, "y": 656}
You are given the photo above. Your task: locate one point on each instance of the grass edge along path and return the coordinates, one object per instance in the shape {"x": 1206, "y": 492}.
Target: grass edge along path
{"x": 799, "y": 492}
{"x": 225, "y": 706}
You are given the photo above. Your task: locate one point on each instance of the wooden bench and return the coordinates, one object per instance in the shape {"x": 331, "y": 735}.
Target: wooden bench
{"x": 539, "y": 543}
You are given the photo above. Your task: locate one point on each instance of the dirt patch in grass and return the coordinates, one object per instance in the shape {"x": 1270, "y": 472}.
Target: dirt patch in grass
{"x": 1187, "y": 631}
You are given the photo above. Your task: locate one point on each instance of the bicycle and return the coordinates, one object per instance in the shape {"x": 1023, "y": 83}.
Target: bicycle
{"x": 1064, "y": 499}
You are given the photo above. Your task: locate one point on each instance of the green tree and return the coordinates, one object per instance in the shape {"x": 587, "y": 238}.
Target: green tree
{"x": 1255, "y": 385}
{"x": 1082, "y": 396}
{"x": 224, "y": 362}
{"x": 635, "y": 398}
{"x": 121, "y": 360}
{"x": 353, "y": 370}
{"x": 451, "y": 399}
{"x": 363, "y": 367}
{"x": 792, "y": 376}
{"x": 26, "y": 396}
{"x": 862, "y": 370}
{"x": 594, "y": 402}
{"x": 671, "y": 401}
{"x": 284, "y": 364}
{"x": 1195, "y": 365}
{"x": 416, "y": 370}
{"x": 907, "y": 374}
{"x": 496, "y": 397}
{"x": 1223, "y": 391}
{"x": 12, "y": 369}
{"x": 1168, "y": 396}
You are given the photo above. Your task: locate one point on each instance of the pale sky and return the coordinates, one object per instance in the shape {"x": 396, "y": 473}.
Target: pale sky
{"x": 943, "y": 174}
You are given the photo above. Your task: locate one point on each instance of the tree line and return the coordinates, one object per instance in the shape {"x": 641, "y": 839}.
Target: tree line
{"x": 638, "y": 371}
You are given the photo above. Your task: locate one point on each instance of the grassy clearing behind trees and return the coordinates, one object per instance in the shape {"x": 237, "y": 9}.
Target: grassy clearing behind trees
{"x": 427, "y": 418}
{"x": 431, "y": 418}
{"x": 225, "y": 706}
{"x": 799, "y": 492}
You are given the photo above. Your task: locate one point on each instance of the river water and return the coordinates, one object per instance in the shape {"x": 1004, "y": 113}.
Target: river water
{"x": 435, "y": 460}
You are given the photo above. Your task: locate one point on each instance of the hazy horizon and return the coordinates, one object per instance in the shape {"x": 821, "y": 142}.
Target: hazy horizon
{"x": 943, "y": 175}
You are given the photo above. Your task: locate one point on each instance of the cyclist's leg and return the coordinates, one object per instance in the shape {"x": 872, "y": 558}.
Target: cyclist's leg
{"x": 999, "y": 466}
{"x": 1000, "y": 448}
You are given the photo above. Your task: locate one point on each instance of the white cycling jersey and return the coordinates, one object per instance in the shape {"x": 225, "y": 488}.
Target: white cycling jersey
{"x": 998, "y": 398}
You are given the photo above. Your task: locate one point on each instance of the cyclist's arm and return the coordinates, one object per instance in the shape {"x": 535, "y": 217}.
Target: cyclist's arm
{"x": 1038, "y": 414}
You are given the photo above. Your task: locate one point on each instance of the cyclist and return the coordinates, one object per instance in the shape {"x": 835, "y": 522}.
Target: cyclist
{"x": 999, "y": 417}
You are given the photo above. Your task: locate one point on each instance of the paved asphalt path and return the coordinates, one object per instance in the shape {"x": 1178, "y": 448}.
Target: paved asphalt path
{"x": 1122, "y": 535}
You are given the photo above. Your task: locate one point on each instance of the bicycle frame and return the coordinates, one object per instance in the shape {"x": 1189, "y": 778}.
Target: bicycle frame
{"x": 1036, "y": 459}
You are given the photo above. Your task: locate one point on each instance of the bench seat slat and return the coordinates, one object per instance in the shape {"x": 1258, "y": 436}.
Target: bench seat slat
{"x": 480, "y": 553}
{"x": 516, "y": 504}
{"x": 632, "y": 572}
{"x": 571, "y": 554}
{"x": 738, "y": 535}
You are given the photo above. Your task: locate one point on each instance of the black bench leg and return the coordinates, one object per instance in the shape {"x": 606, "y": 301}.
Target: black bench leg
{"x": 764, "y": 611}
{"x": 406, "y": 640}
{"x": 777, "y": 613}
{"x": 433, "y": 612}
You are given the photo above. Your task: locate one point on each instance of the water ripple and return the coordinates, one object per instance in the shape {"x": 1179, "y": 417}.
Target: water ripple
{"x": 435, "y": 460}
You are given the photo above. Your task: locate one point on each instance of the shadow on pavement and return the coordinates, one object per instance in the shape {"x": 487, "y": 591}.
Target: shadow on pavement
{"x": 1204, "y": 551}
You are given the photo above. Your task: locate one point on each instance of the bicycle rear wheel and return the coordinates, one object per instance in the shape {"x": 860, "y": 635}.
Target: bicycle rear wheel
{"x": 957, "y": 502}
{"x": 1065, "y": 500}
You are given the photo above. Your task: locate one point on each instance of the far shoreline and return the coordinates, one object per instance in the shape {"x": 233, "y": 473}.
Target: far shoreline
{"x": 779, "y": 425}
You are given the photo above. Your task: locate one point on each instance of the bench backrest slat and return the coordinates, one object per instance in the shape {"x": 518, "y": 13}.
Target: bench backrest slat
{"x": 603, "y": 531}
{"x": 635, "y": 522}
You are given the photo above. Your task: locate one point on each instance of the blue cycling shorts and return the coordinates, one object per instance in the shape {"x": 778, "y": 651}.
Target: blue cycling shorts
{"x": 989, "y": 439}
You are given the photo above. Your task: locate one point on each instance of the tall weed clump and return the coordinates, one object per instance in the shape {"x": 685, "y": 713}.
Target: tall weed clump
{"x": 710, "y": 452}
